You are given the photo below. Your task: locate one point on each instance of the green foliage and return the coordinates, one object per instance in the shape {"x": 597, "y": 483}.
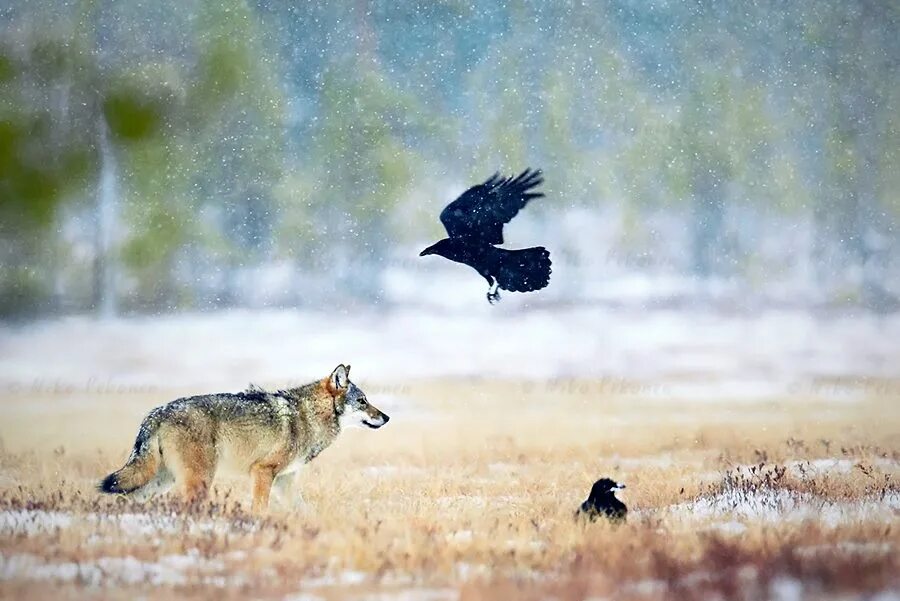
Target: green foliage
{"x": 32, "y": 185}
{"x": 7, "y": 71}
{"x": 224, "y": 70}
{"x": 24, "y": 189}
{"x": 131, "y": 116}
{"x": 38, "y": 163}
{"x": 161, "y": 232}
{"x": 361, "y": 159}
{"x": 22, "y": 291}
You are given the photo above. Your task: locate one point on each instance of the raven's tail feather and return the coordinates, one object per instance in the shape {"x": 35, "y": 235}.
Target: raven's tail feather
{"x": 524, "y": 270}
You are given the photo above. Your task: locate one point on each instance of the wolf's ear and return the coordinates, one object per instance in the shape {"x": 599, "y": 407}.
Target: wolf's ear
{"x": 340, "y": 377}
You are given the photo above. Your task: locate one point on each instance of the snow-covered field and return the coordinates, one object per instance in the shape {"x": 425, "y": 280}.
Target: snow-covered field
{"x": 730, "y": 514}
{"x": 760, "y": 450}
{"x": 672, "y": 353}
{"x": 469, "y": 493}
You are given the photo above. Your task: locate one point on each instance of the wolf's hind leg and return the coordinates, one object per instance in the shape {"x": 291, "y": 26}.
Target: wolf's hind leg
{"x": 193, "y": 463}
{"x": 161, "y": 483}
{"x": 262, "y": 475}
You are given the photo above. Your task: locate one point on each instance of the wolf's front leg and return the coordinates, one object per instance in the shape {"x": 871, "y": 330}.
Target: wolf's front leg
{"x": 262, "y": 475}
{"x": 285, "y": 491}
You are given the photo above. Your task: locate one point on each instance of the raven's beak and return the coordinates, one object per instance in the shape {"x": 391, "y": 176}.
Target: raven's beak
{"x": 427, "y": 251}
{"x": 619, "y": 487}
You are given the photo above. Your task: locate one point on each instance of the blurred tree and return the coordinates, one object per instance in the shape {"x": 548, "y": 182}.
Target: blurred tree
{"x": 153, "y": 137}
{"x": 856, "y": 50}
{"x": 362, "y": 161}
{"x": 165, "y": 150}
{"x": 721, "y": 140}
{"x": 58, "y": 104}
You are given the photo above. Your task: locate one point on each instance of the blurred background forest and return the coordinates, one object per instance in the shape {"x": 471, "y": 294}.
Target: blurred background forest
{"x": 185, "y": 155}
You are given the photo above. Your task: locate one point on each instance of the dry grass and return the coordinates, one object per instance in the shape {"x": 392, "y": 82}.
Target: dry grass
{"x": 469, "y": 493}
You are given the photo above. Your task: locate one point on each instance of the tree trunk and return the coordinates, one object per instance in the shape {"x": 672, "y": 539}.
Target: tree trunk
{"x": 105, "y": 265}
{"x": 708, "y": 212}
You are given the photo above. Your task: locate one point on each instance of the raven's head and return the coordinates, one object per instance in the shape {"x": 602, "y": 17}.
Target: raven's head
{"x": 604, "y": 487}
{"x": 441, "y": 247}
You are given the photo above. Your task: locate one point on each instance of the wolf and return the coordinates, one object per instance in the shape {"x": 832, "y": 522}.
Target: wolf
{"x": 267, "y": 435}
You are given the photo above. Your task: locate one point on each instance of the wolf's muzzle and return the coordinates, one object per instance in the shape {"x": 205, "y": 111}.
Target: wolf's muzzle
{"x": 376, "y": 422}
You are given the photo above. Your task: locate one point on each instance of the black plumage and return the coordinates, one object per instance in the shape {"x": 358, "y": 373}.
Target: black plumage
{"x": 474, "y": 224}
{"x": 602, "y": 502}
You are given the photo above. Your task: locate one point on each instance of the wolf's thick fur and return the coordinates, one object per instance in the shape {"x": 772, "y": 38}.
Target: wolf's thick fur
{"x": 264, "y": 434}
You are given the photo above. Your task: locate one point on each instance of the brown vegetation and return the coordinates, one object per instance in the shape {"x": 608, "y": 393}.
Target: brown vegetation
{"x": 469, "y": 493}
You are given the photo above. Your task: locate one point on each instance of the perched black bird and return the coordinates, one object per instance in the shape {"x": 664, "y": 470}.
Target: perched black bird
{"x": 603, "y": 502}
{"x": 474, "y": 224}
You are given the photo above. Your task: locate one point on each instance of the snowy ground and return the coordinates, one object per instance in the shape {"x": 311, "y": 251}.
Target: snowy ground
{"x": 730, "y": 514}
{"x": 690, "y": 353}
{"x": 503, "y": 416}
{"x": 469, "y": 492}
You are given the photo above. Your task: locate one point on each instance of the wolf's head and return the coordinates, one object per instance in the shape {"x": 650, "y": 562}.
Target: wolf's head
{"x": 350, "y": 403}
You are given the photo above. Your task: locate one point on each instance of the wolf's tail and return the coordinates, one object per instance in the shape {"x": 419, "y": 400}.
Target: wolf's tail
{"x": 142, "y": 464}
{"x": 524, "y": 270}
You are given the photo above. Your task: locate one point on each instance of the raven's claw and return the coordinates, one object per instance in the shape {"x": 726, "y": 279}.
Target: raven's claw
{"x": 493, "y": 296}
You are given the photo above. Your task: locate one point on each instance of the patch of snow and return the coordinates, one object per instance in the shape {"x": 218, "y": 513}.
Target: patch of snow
{"x": 342, "y": 578}
{"x": 466, "y": 571}
{"x": 31, "y": 522}
{"x": 303, "y": 597}
{"x": 532, "y": 545}
{"x": 780, "y": 505}
{"x": 105, "y": 571}
{"x": 697, "y": 577}
{"x": 835, "y": 514}
{"x": 822, "y": 466}
{"x": 786, "y": 589}
{"x": 808, "y": 468}
{"x": 415, "y": 594}
{"x": 848, "y": 548}
{"x": 31, "y": 567}
{"x": 499, "y": 467}
{"x": 129, "y": 570}
{"x": 144, "y": 524}
{"x": 460, "y": 537}
{"x": 734, "y": 528}
{"x": 767, "y": 506}
{"x": 191, "y": 560}
{"x": 646, "y": 587}
{"x": 380, "y": 471}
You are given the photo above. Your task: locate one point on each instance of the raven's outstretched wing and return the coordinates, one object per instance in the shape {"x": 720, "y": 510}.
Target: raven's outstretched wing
{"x": 482, "y": 210}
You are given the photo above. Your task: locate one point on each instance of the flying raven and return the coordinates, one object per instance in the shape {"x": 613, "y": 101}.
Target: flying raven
{"x": 474, "y": 224}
